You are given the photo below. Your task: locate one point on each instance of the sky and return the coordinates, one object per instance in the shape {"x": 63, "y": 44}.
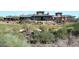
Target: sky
{"x": 33, "y": 5}
{"x": 18, "y": 7}
{"x": 17, "y": 13}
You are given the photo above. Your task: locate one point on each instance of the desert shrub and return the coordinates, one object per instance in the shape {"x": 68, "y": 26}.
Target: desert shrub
{"x": 59, "y": 34}
{"x": 46, "y": 37}
{"x": 62, "y": 34}
{"x": 1, "y": 18}
{"x": 43, "y": 37}
{"x": 44, "y": 27}
{"x": 54, "y": 33}
{"x": 12, "y": 39}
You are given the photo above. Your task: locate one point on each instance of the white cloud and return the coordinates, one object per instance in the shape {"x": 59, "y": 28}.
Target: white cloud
{"x": 33, "y": 5}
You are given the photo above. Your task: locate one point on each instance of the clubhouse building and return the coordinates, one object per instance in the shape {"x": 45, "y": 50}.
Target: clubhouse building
{"x": 41, "y": 16}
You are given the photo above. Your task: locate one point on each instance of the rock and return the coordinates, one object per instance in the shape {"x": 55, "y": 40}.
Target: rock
{"x": 21, "y": 30}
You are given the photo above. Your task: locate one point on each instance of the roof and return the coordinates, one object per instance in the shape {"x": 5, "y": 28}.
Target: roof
{"x": 65, "y": 16}
{"x": 41, "y": 11}
{"x": 8, "y": 17}
{"x": 25, "y": 15}
{"x": 42, "y": 15}
{"x": 59, "y": 12}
